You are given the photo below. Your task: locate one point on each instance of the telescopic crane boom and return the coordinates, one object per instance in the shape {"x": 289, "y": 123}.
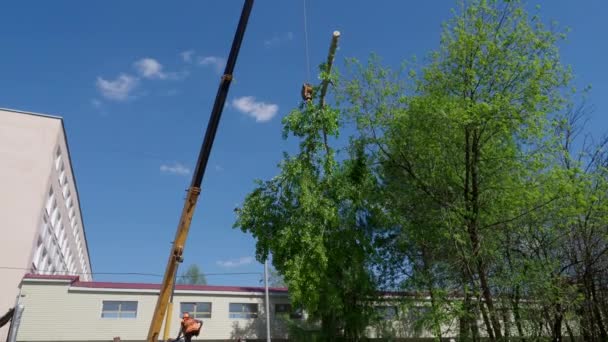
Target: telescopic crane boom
{"x": 177, "y": 249}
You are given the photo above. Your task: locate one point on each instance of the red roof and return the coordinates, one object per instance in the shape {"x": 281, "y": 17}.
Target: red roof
{"x": 75, "y": 282}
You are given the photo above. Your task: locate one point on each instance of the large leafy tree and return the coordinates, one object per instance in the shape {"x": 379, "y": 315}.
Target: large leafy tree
{"x": 312, "y": 217}
{"x": 462, "y": 150}
{"x": 462, "y": 184}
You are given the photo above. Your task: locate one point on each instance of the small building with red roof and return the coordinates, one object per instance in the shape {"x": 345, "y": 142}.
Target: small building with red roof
{"x": 67, "y": 308}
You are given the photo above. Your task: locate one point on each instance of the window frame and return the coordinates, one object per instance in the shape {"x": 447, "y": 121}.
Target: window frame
{"x": 196, "y": 313}
{"x": 387, "y": 312}
{"x": 57, "y": 157}
{"x": 49, "y": 201}
{"x": 120, "y": 313}
{"x": 293, "y": 313}
{"x": 242, "y": 314}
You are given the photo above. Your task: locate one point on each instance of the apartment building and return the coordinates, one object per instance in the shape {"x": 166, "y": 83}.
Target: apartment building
{"x": 65, "y": 308}
{"x": 41, "y": 222}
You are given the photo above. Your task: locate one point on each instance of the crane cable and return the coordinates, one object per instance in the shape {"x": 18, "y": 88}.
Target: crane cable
{"x": 306, "y": 44}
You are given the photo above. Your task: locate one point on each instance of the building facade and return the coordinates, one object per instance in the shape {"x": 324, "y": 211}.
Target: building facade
{"x": 64, "y": 308}
{"x": 41, "y": 221}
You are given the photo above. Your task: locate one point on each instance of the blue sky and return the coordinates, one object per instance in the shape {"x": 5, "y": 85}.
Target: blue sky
{"x": 135, "y": 82}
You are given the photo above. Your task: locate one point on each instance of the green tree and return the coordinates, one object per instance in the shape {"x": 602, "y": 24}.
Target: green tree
{"x": 311, "y": 217}
{"x": 581, "y": 219}
{"x": 462, "y": 150}
{"x": 462, "y": 181}
{"x": 192, "y": 276}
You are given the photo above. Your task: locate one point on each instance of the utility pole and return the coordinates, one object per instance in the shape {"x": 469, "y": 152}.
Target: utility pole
{"x": 267, "y": 300}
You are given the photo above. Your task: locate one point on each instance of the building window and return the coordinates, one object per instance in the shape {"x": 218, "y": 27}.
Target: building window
{"x": 54, "y": 214}
{"x": 58, "y": 158}
{"x": 243, "y": 310}
{"x": 197, "y": 310}
{"x": 44, "y": 227}
{"x": 49, "y": 201}
{"x": 119, "y": 309}
{"x": 49, "y": 234}
{"x": 62, "y": 177}
{"x": 61, "y": 234}
{"x": 417, "y": 313}
{"x": 64, "y": 246}
{"x": 38, "y": 254}
{"x": 386, "y": 312}
{"x": 57, "y": 223}
{"x": 68, "y": 199}
{"x": 286, "y": 309}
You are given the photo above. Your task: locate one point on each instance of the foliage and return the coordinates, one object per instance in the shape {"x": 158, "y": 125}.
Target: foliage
{"x": 311, "y": 217}
{"x": 463, "y": 186}
{"x": 192, "y": 276}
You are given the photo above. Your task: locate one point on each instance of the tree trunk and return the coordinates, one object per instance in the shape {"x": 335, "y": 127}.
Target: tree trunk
{"x": 471, "y": 192}
{"x": 596, "y": 313}
{"x": 465, "y": 321}
{"x": 485, "y": 288}
{"x": 517, "y": 316}
{"x": 486, "y": 320}
{"x": 329, "y": 328}
{"x": 483, "y": 280}
{"x": 570, "y": 332}
{"x": 475, "y": 328}
{"x": 430, "y": 288}
{"x": 471, "y": 220}
{"x": 557, "y": 324}
{"x": 506, "y": 322}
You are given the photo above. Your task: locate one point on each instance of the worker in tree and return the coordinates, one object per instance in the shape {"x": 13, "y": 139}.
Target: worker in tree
{"x": 307, "y": 90}
{"x": 189, "y": 327}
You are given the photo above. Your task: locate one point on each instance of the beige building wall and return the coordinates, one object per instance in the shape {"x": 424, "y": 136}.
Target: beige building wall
{"x": 40, "y": 219}
{"x": 65, "y": 310}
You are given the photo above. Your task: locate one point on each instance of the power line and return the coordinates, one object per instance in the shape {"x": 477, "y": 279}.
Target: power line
{"x": 306, "y": 44}
{"x": 45, "y": 272}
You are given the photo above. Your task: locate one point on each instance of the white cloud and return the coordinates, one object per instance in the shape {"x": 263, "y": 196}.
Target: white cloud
{"x": 235, "y": 262}
{"x": 278, "y": 39}
{"x": 118, "y": 89}
{"x": 150, "y": 68}
{"x": 176, "y": 169}
{"x": 187, "y": 56}
{"x": 217, "y": 63}
{"x": 261, "y": 111}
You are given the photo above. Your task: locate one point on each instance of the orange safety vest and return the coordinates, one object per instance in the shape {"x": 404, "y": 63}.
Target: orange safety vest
{"x": 191, "y": 326}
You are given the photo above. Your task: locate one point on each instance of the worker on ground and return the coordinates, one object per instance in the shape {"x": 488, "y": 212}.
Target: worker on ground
{"x": 189, "y": 327}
